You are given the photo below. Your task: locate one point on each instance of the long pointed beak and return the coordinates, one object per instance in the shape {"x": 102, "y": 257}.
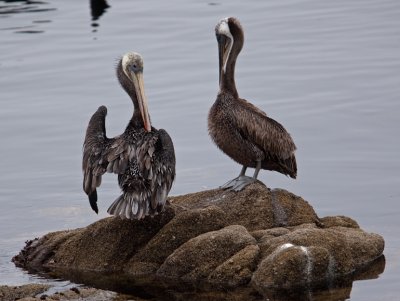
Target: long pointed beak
{"x": 224, "y": 51}
{"x": 221, "y": 60}
{"x": 142, "y": 100}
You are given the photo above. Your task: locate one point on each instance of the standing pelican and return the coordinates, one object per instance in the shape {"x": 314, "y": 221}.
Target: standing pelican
{"x": 240, "y": 129}
{"x": 143, "y": 157}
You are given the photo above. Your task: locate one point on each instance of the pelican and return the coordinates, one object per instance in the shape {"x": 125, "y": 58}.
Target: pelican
{"x": 240, "y": 129}
{"x": 142, "y": 157}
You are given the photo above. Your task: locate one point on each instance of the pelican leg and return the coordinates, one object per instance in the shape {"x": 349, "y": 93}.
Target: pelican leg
{"x": 258, "y": 167}
{"x": 232, "y": 182}
{"x": 243, "y": 181}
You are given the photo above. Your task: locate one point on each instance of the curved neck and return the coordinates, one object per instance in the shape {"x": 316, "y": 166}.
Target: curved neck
{"x": 227, "y": 79}
{"x": 129, "y": 88}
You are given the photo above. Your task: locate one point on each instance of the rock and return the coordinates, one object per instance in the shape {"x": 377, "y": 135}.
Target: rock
{"x": 30, "y": 292}
{"x": 105, "y": 245}
{"x": 363, "y": 246}
{"x": 39, "y": 252}
{"x": 237, "y": 270}
{"x": 81, "y": 294}
{"x": 197, "y": 258}
{"x": 256, "y": 207}
{"x": 11, "y": 293}
{"x": 338, "y": 221}
{"x": 262, "y": 235}
{"x": 291, "y": 266}
{"x": 258, "y": 239}
{"x": 185, "y": 226}
{"x": 311, "y": 257}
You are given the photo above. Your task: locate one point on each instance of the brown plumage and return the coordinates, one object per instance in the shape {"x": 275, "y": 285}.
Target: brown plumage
{"x": 240, "y": 129}
{"x": 143, "y": 157}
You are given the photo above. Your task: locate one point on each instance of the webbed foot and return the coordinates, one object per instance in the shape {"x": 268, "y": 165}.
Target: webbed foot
{"x": 230, "y": 183}
{"x": 238, "y": 183}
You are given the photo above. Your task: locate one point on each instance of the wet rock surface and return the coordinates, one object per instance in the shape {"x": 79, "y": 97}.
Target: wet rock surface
{"x": 37, "y": 292}
{"x": 11, "y": 293}
{"x": 258, "y": 239}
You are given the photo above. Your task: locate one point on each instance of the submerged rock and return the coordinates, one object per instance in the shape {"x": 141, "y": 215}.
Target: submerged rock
{"x": 257, "y": 238}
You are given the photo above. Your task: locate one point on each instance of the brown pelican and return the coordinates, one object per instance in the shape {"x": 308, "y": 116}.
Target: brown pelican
{"x": 143, "y": 157}
{"x": 240, "y": 129}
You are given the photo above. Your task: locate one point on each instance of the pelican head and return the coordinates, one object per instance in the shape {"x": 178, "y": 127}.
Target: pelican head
{"x": 132, "y": 66}
{"x": 229, "y": 34}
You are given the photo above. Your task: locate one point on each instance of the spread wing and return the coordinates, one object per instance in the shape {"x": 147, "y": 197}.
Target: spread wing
{"x": 265, "y": 132}
{"x": 101, "y": 154}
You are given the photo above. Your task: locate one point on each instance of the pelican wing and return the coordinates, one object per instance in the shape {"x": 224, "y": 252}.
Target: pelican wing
{"x": 101, "y": 154}
{"x": 263, "y": 131}
{"x": 164, "y": 170}
{"x": 149, "y": 179}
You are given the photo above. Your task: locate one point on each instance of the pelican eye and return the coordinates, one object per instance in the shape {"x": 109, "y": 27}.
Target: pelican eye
{"x": 134, "y": 68}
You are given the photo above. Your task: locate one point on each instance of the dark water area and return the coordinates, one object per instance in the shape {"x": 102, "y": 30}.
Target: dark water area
{"x": 329, "y": 71}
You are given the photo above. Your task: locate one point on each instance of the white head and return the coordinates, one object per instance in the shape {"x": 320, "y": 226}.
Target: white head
{"x": 132, "y": 61}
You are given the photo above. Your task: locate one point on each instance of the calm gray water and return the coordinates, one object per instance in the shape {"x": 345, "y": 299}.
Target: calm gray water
{"x": 328, "y": 70}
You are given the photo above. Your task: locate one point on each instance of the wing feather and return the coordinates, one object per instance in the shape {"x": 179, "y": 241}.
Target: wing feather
{"x": 164, "y": 170}
{"x": 101, "y": 154}
{"x": 265, "y": 132}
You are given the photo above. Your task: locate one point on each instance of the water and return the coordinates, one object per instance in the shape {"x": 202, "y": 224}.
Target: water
{"x": 328, "y": 70}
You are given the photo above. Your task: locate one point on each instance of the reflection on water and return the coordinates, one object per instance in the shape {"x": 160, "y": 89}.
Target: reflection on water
{"x": 154, "y": 288}
{"x": 97, "y": 8}
{"x": 13, "y": 7}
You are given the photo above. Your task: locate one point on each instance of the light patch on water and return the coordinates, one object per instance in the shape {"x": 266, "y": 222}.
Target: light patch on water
{"x": 73, "y": 211}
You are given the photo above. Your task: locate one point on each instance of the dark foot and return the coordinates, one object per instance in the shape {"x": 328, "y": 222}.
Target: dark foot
{"x": 238, "y": 183}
